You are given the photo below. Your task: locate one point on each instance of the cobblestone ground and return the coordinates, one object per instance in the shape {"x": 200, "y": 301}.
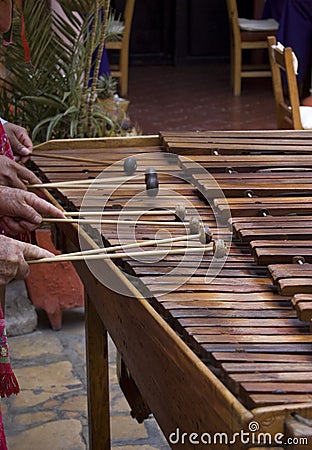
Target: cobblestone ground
{"x": 50, "y": 413}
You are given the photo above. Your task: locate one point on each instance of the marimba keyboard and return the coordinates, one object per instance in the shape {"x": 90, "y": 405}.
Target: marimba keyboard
{"x": 241, "y": 324}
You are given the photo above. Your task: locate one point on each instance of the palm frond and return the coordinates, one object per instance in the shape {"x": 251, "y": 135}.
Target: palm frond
{"x": 46, "y": 95}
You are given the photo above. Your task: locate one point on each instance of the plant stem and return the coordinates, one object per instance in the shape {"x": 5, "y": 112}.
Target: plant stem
{"x": 105, "y": 4}
{"x": 84, "y": 95}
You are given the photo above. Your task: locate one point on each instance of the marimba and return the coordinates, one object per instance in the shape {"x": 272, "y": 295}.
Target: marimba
{"x": 217, "y": 357}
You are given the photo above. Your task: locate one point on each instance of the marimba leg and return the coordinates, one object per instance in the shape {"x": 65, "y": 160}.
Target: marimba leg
{"x": 139, "y": 409}
{"x": 98, "y": 382}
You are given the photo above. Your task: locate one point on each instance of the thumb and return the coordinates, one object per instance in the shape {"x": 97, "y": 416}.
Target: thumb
{"x": 34, "y": 252}
{"x": 23, "y": 151}
{"x": 18, "y": 146}
{"x": 29, "y": 214}
{"x": 25, "y": 174}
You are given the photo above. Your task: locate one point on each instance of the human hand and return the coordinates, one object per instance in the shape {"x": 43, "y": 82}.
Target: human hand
{"x": 15, "y": 175}
{"x": 13, "y": 258}
{"x": 21, "y": 210}
{"x": 20, "y": 141}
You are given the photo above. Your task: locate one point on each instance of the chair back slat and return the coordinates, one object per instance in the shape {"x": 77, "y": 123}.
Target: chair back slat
{"x": 288, "y": 112}
{"x": 121, "y": 69}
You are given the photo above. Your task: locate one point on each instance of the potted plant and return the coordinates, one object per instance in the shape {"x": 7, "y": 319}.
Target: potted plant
{"x": 50, "y": 95}
{"x": 115, "y": 106}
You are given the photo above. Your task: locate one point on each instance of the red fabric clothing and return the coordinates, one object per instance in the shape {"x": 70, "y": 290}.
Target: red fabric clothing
{"x": 3, "y": 444}
{"x": 5, "y": 146}
{"x": 8, "y": 382}
{"x": 6, "y": 150}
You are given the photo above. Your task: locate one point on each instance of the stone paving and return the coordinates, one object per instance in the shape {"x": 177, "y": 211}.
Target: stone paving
{"x": 50, "y": 413}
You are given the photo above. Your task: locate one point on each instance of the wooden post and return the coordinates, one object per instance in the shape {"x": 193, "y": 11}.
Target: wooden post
{"x": 97, "y": 376}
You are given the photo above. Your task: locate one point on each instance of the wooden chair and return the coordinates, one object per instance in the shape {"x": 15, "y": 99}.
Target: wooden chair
{"x": 288, "y": 110}
{"x": 121, "y": 69}
{"x": 247, "y": 34}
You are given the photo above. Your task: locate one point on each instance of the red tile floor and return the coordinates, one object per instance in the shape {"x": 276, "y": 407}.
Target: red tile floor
{"x": 197, "y": 97}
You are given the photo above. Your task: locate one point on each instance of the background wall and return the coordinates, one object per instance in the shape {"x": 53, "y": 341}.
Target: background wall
{"x": 180, "y": 31}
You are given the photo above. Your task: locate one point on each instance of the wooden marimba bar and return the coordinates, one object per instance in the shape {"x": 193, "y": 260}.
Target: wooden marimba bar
{"x": 274, "y": 186}
{"x": 206, "y": 357}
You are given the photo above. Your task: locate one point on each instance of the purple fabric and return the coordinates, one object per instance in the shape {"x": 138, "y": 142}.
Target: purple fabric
{"x": 295, "y": 29}
{"x": 104, "y": 65}
{"x": 273, "y": 9}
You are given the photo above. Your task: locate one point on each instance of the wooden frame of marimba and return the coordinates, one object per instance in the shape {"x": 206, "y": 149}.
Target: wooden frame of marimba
{"x": 176, "y": 385}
